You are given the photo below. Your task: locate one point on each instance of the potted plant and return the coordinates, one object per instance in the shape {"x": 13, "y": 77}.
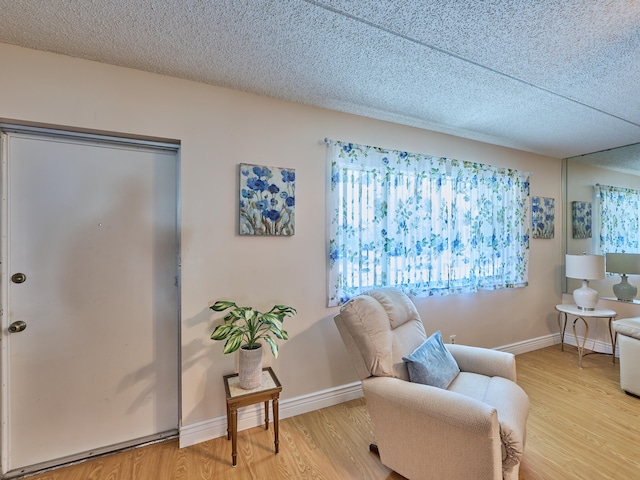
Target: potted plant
{"x": 243, "y": 328}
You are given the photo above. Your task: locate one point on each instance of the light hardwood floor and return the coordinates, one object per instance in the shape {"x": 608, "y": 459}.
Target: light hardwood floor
{"x": 581, "y": 426}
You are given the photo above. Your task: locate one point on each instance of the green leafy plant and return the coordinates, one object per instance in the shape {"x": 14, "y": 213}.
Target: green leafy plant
{"x": 245, "y": 326}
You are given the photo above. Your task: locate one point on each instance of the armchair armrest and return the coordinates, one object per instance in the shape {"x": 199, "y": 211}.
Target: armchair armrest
{"x": 492, "y": 363}
{"x": 428, "y": 432}
{"x": 436, "y": 404}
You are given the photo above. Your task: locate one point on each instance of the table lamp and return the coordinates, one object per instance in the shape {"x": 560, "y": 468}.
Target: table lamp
{"x": 624, "y": 264}
{"x": 585, "y": 267}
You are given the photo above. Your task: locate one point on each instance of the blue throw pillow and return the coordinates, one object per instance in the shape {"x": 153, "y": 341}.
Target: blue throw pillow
{"x": 432, "y": 364}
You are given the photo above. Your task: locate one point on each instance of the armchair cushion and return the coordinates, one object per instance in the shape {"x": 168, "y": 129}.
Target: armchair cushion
{"x": 628, "y": 326}
{"x": 367, "y": 322}
{"x": 431, "y": 363}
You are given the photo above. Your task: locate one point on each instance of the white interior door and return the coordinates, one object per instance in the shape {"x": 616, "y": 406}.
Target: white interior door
{"x": 92, "y": 270}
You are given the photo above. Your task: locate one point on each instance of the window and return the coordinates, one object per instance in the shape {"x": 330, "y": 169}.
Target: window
{"x": 616, "y": 219}
{"x": 432, "y": 226}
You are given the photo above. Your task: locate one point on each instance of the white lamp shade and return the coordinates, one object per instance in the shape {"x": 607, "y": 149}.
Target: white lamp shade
{"x": 628, "y": 263}
{"x": 585, "y": 267}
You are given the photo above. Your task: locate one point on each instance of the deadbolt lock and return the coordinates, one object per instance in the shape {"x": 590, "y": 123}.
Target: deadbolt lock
{"x": 18, "y": 278}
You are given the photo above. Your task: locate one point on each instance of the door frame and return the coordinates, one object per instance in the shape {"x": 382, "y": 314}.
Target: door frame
{"x": 169, "y": 145}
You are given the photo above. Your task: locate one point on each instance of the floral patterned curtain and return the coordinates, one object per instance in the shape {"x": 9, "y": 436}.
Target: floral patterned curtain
{"x": 429, "y": 225}
{"x": 617, "y": 219}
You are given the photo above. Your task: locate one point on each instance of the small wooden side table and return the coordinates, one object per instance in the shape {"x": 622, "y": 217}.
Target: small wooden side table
{"x": 237, "y": 397}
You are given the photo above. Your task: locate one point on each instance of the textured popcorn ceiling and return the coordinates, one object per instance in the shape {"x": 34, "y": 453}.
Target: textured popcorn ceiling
{"x": 623, "y": 159}
{"x": 556, "y": 77}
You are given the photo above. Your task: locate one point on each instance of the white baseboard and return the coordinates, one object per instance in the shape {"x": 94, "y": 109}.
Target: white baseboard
{"x": 253, "y": 416}
{"x": 599, "y": 346}
{"x": 532, "y": 344}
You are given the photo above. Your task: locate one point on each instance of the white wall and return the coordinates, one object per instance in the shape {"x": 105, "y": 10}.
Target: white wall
{"x": 220, "y": 128}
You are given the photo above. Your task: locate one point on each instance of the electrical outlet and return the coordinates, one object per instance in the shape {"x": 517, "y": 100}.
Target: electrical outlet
{"x": 452, "y": 339}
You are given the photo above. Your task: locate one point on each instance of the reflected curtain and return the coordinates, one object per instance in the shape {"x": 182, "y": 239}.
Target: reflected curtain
{"x": 616, "y": 219}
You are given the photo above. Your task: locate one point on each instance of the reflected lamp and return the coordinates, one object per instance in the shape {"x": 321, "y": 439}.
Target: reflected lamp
{"x": 624, "y": 264}
{"x": 585, "y": 267}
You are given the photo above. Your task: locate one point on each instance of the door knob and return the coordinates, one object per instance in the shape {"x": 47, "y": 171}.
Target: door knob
{"x": 18, "y": 326}
{"x": 18, "y": 278}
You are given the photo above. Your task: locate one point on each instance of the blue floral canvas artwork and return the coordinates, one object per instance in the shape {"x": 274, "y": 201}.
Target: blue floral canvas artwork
{"x": 581, "y": 219}
{"x": 267, "y": 200}
{"x": 543, "y": 216}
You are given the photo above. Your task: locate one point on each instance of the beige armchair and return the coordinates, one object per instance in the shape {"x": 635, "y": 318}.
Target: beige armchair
{"x": 473, "y": 429}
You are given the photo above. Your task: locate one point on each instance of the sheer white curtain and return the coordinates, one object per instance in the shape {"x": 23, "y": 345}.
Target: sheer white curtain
{"x": 429, "y": 225}
{"x": 494, "y": 205}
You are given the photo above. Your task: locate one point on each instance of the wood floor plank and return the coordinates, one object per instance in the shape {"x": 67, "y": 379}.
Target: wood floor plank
{"x": 581, "y": 427}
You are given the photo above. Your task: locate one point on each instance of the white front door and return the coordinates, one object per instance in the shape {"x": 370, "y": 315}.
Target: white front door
{"x": 90, "y": 271}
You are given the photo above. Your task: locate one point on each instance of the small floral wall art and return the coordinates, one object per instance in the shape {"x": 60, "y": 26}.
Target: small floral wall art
{"x": 581, "y": 219}
{"x": 543, "y": 216}
{"x": 267, "y": 200}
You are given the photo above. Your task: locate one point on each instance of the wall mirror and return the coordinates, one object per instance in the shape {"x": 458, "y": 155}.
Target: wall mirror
{"x": 618, "y": 167}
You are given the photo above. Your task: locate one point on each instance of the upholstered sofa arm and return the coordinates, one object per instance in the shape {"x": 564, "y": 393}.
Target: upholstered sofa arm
{"x": 484, "y": 361}
{"x": 422, "y": 427}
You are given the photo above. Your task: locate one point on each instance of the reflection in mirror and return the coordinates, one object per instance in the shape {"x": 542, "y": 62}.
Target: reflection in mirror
{"x": 606, "y": 181}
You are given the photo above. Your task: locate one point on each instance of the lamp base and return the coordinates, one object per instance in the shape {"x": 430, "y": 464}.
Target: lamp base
{"x": 585, "y": 297}
{"x": 625, "y": 291}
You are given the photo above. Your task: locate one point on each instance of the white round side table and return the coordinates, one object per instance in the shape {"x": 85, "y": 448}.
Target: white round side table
{"x": 580, "y": 314}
